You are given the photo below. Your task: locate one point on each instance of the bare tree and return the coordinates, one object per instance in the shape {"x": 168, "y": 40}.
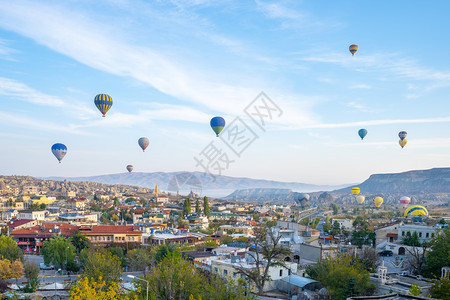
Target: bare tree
{"x": 265, "y": 252}
{"x": 415, "y": 260}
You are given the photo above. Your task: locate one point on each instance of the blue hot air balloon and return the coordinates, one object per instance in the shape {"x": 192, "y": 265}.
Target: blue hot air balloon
{"x": 362, "y": 133}
{"x": 402, "y": 135}
{"x": 103, "y": 103}
{"x": 217, "y": 124}
{"x": 143, "y": 143}
{"x": 59, "y": 151}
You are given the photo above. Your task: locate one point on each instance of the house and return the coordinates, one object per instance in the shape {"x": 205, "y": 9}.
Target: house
{"x": 387, "y": 232}
{"x": 190, "y": 238}
{"x": 76, "y": 204}
{"x": 425, "y": 233}
{"x": 9, "y": 214}
{"x": 19, "y": 224}
{"x": 102, "y": 235}
{"x": 32, "y": 214}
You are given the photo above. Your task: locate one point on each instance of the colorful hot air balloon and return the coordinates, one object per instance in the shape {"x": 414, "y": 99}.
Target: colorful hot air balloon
{"x": 362, "y": 133}
{"x": 59, "y": 151}
{"x": 360, "y": 199}
{"x": 353, "y": 48}
{"x": 217, "y": 124}
{"x": 130, "y": 168}
{"x": 403, "y": 142}
{"x": 404, "y": 201}
{"x": 103, "y": 103}
{"x": 143, "y": 143}
{"x": 355, "y": 191}
{"x": 377, "y": 201}
{"x": 416, "y": 210}
{"x": 402, "y": 135}
{"x": 302, "y": 199}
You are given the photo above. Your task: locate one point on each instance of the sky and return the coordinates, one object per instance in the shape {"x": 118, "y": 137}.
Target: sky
{"x": 279, "y": 72}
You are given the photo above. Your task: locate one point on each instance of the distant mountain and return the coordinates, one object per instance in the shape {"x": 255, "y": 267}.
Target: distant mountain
{"x": 199, "y": 182}
{"x": 433, "y": 181}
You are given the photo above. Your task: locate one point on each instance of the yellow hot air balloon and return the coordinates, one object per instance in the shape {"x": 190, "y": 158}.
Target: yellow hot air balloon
{"x": 403, "y": 142}
{"x": 355, "y": 191}
{"x": 416, "y": 210}
{"x": 353, "y": 48}
{"x": 377, "y": 201}
{"x": 360, "y": 199}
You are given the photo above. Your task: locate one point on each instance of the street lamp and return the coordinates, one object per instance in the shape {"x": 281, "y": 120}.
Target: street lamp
{"x": 67, "y": 249}
{"x": 134, "y": 277}
{"x": 55, "y": 280}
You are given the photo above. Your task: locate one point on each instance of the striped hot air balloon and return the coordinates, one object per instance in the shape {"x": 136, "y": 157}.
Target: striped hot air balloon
{"x": 353, "y": 48}
{"x": 130, "y": 168}
{"x": 416, "y": 210}
{"x": 143, "y": 143}
{"x": 377, "y": 201}
{"x": 355, "y": 191}
{"x": 103, "y": 103}
{"x": 59, "y": 151}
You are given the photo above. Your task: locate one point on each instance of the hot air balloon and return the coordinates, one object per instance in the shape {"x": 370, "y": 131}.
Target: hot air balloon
{"x": 353, "y": 48}
{"x": 217, "y": 124}
{"x": 405, "y": 201}
{"x": 59, "y": 151}
{"x": 360, "y": 199}
{"x": 143, "y": 143}
{"x": 403, "y": 142}
{"x": 377, "y": 201}
{"x": 402, "y": 135}
{"x": 355, "y": 191}
{"x": 130, "y": 168}
{"x": 416, "y": 210}
{"x": 103, "y": 103}
{"x": 362, "y": 133}
{"x": 302, "y": 199}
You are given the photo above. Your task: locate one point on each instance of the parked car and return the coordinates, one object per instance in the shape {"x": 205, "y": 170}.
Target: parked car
{"x": 43, "y": 266}
{"x": 386, "y": 253}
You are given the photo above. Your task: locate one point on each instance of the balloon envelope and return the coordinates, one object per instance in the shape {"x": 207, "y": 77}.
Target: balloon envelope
{"x": 59, "y": 151}
{"x": 217, "y": 124}
{"x": 402, "y": 135}
{"x": 405, "y": 201}
{"x": 355, "y": 191}
{"x": 403, "y": 142}
{"x": 360, "y": 199}
{"x": 143, "y": 143}
{"x": 103, "y": 103}
{"x": 377, "y": 201}
{"x": 362, "y": 133}
{"x": 130, "y": 168}
{"x": 353, "y": 48}
{"x": 303, "y": 197}
{"x": 416, "y": 210}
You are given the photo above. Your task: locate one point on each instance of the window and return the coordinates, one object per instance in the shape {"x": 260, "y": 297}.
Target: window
{"x": 281, "y": 273}
{"x": 216, "y": 270}
{"x": 420, "y": 234}
{"x": 427, "y": 235}
{"x": 403, "y": 233}
{"x": 225, "y": 272}
{"x": 432, "y": 235}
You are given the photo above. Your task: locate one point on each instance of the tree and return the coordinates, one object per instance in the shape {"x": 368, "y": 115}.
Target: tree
{"x": 197, "y": 207}
{"x": 414, "y": 290}
{"x": 411, "y": 239}
{"x": 101, "y": 265}
{"x": 42, "y": 206}
{"x": 342, "y": 277}
{"x": 415, "y": 260}
{"x": 80, "y": 242}
{"x": 59, "y": 251}
{"x": 363, "y": 236}
{"x": 9, "y": 249}
{"x": 5, "y": 269}
{"x": 139, "y": 259}
{"x": 31, "y": 272}
{"x": 334, "y": 208}
{"x": 116, "y": 202}
{"x": 441, "y": 288}
{"x": 206, "y": 209}
{"x": 368, "y": 259}
{"x": 225, "y": 239}
{"x": 266, "y": 252}
{"x": 439, "y": 256}
{"x": 165, "y": 250}
{"x": 187, "y": 207}
{"x": 16, "y": 270}
{"x": 97, "y": 289}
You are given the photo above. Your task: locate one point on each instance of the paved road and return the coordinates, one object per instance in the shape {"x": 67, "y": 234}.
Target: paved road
{"x": 394, "y": 264}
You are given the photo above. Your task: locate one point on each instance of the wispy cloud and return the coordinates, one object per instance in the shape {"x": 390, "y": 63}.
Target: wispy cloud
{"x": 358, "y": 106}
{"x": 20, "y": 91}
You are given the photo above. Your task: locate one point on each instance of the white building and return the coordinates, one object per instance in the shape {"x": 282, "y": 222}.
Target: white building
{"x": 32, "y": 215}
{"x": 425, "y": 233}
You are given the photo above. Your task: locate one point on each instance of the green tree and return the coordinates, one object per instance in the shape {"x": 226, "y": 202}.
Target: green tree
{"x": 139, "y": 259}
{"x": 364, "y": 236}
{"x": 414, "y": 290}
{"x": 439, "y": 256}
{"x": 206, "y": 209}
{"x": 31, "y": 273}
{"x": 165, "y": 250}
{"x": 342, "y": 277}
{"x": 411, "y": 239}
{"x": 80, "y": 241}
{"x": 101, "y": 265}
{"x": 42, "y": 206}
{"x": 197, "y": 207}
{"x": 441, "y": 288}
{"x": 225, "y": 239}
{"x": 116, "y": 202}
{"x": 187, "y": 207}
{"x": 334, "y": 207}
{"x": 58, "y": 251}
{"x": 9, "y": 249}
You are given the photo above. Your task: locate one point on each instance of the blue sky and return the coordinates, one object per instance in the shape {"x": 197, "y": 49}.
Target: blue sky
{"x": 170, "y": 66}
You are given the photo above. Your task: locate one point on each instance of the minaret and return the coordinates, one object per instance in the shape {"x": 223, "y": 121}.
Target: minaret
{"x": 156, "y": 192}
{"x": 382, "y": 272}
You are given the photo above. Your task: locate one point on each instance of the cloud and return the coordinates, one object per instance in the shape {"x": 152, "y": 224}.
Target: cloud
{"x": 20, "y": 91}
{"x": 358, "y": 106}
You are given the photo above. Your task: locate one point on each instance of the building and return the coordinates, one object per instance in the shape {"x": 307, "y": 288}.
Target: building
{"x": 35, "y": 236}
{"x": 102, "y": 235}
{"x": 76, "y": 204}
{"x": 32, "y": 214}
{"x": 9, "y": 214}
{"x": 77, "y": 219}
{"x": 387, "y": 232}
{"x": 20, "y": 224}
{"x": 425, "y": 233}
{"x": 190, "y": 238}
